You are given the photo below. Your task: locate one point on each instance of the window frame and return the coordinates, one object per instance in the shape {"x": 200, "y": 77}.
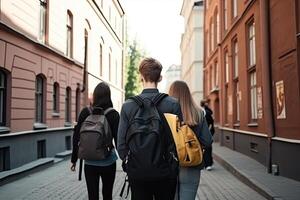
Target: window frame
{"x": 68, "y": 105}
{"x": 234, "y": 9}
{"x": 55, "y": 97}
{"x": 43, "y": 15}
{"x": 225, "y": 14}
{"x": 40, "y": 97}
{"x": 251, "y": 44}
{"x": 235, "y": 58}
{"x": 3, "y": 88}
{"x": 69, "y": 26}
{"x": 253, "y": 114}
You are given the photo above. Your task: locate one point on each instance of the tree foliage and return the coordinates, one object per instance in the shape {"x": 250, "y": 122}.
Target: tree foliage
{"x": 133, "y": 58}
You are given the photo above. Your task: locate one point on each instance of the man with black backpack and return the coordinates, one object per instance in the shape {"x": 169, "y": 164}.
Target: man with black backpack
{"x": 145, "y": 143}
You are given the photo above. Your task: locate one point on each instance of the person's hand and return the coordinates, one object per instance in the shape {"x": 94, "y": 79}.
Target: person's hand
{"x": 73, "y": 167}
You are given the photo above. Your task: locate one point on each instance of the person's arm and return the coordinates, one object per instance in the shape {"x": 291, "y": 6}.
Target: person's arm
{"x": 205, "y": 135}
{"x": 121, "y": 141}
{"x": 177, "y": 111}
{"x": 114, "y": 119}
{"x": 82, "y": 116}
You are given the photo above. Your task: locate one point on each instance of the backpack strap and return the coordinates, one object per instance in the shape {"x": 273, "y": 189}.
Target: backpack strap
{"x": 138, "y": 100}
{"x": 108, "y": 110}
{"x": 159, "y": 97}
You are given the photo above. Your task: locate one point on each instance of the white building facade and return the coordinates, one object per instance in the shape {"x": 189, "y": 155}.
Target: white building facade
{"x": 192, "y": 47}
{"x": 172, "y": 74}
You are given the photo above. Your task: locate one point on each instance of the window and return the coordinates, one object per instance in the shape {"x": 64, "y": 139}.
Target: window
{"x": 39, "y": 99}
{"x": 69, "y": 50}
{"x": 212, "y": 36}
{"x": 218, "y": 28}
{"x": 78, "y": 96}
{"x": 253, "y": 95}
{"x": 215, "y": 28}
{"x": 109, "y": 66}
{"x": 234, "y": 8}
{"x": 4, "y": 159}
{"x": 225, "y": 15}
{"x": 42, "y": 20}
{"x": 68, "y": 105}
{"x": 237, "y": 101}
{"x": 3, "y": 85}
{"x": 68, "y": 142}
{"x": 41, "y": 149}
{"x": 216, "y": 72}
{"x": 235, "y": 59}
{"x": 101, "y": 59}
{"x": 56, "y": 98}
{"x": 226, "y": 104}
{"x": 212, "y": 82}
{"x": 226, "y": 67}
{"x": 251, "y": 44}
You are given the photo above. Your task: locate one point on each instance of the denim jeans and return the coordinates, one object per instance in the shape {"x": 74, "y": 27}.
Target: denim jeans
{"x": 189, "y": 178}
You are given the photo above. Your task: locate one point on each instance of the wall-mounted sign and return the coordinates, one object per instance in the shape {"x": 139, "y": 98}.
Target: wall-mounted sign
{"x": 280, "y": 100}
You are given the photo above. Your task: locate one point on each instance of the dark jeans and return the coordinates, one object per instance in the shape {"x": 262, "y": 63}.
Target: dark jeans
{"x": 146, "y": 190}
{"x": 92, "y": 177}
{"x": 208, "y": 159}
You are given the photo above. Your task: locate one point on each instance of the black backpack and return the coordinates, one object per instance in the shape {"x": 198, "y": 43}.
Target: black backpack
{"x": 95, "y": 136}
{"x": 152, "y": 152}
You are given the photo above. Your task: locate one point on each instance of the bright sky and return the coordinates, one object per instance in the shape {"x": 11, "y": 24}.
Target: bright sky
{"x": 157, "y": 26}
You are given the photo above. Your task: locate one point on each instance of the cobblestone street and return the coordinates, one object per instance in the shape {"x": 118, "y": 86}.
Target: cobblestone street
{"x": 58, "y": 182}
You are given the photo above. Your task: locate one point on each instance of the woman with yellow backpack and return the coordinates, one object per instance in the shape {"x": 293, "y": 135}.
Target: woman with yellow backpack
{"x": 193, "y": 118}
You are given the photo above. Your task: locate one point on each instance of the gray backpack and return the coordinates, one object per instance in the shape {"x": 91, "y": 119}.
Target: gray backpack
{"x": 95, "y": 137}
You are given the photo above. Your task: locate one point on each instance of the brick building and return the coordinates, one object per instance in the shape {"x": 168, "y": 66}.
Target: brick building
{"x": 52, "y": 55}
{"x": 251, "y": 76}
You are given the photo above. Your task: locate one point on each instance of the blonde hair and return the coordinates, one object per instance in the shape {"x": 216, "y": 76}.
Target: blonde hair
{"x": 190, "y": 111}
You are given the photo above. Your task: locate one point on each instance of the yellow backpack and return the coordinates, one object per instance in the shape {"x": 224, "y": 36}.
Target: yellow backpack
{"x": 189, "y": 150}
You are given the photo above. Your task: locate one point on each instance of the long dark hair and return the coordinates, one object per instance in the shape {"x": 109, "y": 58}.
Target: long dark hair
{"x": 101, "y": 96}
{"x": 190, "y": 111}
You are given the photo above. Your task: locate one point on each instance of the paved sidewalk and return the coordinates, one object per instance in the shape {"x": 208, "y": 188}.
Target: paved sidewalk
{"x": 255, "y": 175}
{"x": 59, "y": 183}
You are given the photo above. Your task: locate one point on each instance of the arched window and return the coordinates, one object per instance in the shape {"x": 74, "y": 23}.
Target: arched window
{"x": 39, "y": 99}
{"x": 56, "y": 97}
{"x": 69, "y": 50}
{"x": 3, "y": 91}
{"x": 68, "y": 105}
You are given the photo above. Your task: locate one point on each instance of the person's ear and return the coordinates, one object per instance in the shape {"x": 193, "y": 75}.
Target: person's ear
{"x": 141, "y": 78}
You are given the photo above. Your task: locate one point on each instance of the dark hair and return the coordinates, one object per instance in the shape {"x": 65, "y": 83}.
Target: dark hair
{"x": 101, "y": 96}
{"x": 150, "y": 69}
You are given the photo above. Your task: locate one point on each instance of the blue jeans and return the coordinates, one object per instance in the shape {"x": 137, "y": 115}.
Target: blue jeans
{"x": 189, "y": 178}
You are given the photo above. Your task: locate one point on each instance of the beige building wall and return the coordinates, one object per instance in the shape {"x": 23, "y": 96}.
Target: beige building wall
{"x": 192, "y": 48}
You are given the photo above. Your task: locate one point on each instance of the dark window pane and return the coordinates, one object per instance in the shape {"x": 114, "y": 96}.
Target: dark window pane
{"x": 41, "y": 149}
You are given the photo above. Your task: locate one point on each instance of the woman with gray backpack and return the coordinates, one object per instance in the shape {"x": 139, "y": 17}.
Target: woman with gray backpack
{"x": 96, "y": 128}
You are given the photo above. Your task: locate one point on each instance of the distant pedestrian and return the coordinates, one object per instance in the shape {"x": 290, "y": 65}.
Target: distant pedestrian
{"x": 189, "y": 177}
{"x": 105, "y": 165}
{"x": 208, "y": 159}
{"x": 144, "y": 143}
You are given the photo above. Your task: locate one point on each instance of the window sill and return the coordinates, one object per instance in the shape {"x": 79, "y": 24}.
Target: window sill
{"x": 55, "y": 114}
{"x": 227, "y": 125}
{"x": 236, "y": 125}
{"x": 4, "y": 129}
{"x": 38, "y": 126}
{"x": 68, "y": 124}
{"x": 253, "y": 124}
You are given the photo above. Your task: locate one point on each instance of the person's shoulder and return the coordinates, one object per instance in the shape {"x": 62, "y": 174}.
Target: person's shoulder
{"x": 170, "y": 99}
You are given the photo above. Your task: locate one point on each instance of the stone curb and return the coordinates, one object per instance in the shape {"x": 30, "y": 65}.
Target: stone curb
{"x": 245, "y": 179}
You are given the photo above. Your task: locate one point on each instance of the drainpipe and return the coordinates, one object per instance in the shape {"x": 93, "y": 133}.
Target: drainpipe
{"x": 267, "y": 78}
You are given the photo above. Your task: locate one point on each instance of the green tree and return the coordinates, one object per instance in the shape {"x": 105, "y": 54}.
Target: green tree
{"x": 133, "y": 58}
